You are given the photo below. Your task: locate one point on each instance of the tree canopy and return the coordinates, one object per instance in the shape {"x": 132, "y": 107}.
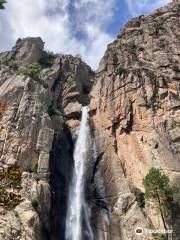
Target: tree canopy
{"x": 156, "y": 184}
{"x": 167, "y": 194}
{"x": 2, "y": 2}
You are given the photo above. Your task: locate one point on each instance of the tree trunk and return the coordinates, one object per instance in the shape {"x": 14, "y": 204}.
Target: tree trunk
{"x": 162, "y": 215}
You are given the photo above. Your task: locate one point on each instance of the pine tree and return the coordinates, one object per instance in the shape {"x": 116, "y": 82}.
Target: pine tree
{"x": 157, "y": 187}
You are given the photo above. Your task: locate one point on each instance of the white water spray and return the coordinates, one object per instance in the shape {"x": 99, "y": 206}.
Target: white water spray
{"x": 76, "y": 199}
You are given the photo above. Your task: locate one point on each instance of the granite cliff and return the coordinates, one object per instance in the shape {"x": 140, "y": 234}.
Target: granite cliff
{"x": 135, "y": 108}
{"x": 135, "y": 124}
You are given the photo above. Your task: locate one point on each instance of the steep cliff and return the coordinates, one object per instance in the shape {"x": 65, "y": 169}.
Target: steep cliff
{"x": 38, "y": 102}
{"x": 135, "y": 123}
{"x": 136, "y": 111}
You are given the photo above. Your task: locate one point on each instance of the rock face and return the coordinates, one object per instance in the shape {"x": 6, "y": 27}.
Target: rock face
{"x": 135, "y": 120}
{"x": 136, "y": 112}
{"x": 34, "y": 136}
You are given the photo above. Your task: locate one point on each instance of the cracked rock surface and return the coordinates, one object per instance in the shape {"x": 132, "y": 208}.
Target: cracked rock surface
{"x": 135, "y": 120}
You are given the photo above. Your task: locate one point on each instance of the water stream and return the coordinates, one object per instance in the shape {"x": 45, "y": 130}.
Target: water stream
{"x": 76, "y": 200}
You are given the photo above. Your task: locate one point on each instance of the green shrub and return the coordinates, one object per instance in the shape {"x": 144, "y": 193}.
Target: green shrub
{"x": 31, "y": 169}
{"x": 156, "y": 184}
{"x": 16, "y": 214}
{"x": 176, "y": 192}
{"x": 32, "y": 70}
{"x": 65, "y": 119}
{"x": 134, "y": 48}
{"x": 166, "y": 194}
{"x": 157, "y": 187}
{"x": 47, "y": 58}
{"x": 158, "y": 236}
{"x": 37, "y": 178}
{"x": 70, "y": 81}
{"x": 175, "y": 124}
{"x": 45, "y": 85}
{"x": 35, "y": 168}
{"x": 13, "y": 64}
{"x": 139, "y": 196}
{"x": 120, "y": 70}
{"x": 52, "y": 110}
{"x": 35, "y": 204}
{"x": 78, "y": 56}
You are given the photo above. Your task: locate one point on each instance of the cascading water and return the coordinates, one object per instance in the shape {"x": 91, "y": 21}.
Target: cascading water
{"x": 76, "y": 201}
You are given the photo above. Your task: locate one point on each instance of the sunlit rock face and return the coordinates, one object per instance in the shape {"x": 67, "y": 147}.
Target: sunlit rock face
{"x": 136, "y": 113}
{"x": 134, "y": 122}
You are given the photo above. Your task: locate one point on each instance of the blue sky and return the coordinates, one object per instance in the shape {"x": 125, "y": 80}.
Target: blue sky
{"x": 82, "y": 27}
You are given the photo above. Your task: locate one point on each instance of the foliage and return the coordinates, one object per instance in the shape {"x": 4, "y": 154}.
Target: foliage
{"x": 158, "y": 236}
{"x": 78, "y": 56}
{"x": 71, "y": 81}
{"x": 134, "y": 48}
{"x": 2, "y": 2}
{"x": 31, "y": 169}
{"x": 139, "y": 196}
{"x": 158, "y": 187}
{"x": 52, "y": 110}
{"x": 47, "y": 58}
{"x": 31, "y": 69}
{"x": 35, "y": 204}
{"x": 10, "y": 179}
{"x": 13, "y": 64}
{"x": 120, "y": 70}
{"x": 65, "y": 119}
{"x": 175, "y": 124}
{"x": 156, "y": 184}
{"x": 176, "y": 192}
{"x": 45, "y": 85}
{"x": 37, "y": 178}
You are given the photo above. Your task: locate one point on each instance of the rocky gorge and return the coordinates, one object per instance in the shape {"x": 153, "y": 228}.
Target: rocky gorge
{"x": 135, "y": 125}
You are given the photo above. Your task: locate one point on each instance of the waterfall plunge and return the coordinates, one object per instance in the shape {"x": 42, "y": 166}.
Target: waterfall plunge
{"x": 76, "y": 200}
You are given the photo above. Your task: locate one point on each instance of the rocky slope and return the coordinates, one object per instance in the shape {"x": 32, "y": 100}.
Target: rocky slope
{"x": 135, "y": 120}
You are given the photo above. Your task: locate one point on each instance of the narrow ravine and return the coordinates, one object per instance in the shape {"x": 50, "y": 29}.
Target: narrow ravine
{"x": 76, "y": 199}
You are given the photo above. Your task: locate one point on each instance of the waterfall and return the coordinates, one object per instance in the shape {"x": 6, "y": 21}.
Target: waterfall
{"x": 76, "y": 200}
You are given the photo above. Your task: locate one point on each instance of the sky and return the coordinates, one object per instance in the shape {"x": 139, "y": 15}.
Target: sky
{"x": 82, "y": 27}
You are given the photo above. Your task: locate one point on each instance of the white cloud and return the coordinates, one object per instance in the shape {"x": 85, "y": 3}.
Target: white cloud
{"x": 58, "y": 22}
{"x": 137, "y": 7}
{"x": 68, "y": 26}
